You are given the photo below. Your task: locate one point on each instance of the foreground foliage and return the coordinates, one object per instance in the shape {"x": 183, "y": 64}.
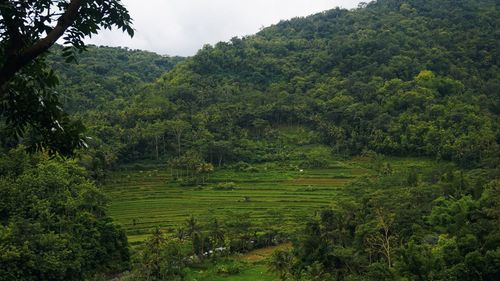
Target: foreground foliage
{"x": 30, "y": 108}
{"x": 53, "y": 222}
{"x": 443, "y": 228}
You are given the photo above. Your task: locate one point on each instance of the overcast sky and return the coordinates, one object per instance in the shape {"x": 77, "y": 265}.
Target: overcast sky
{"x": 181, "y": 27}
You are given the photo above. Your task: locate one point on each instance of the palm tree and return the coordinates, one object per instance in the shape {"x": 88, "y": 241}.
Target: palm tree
{"x": 217, "y": 233}
{"x": 281, "y": 263}
{"x": 192, "y": 226}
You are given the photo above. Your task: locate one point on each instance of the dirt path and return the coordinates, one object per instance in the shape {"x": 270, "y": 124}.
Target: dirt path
{"x": 264, "y": 253}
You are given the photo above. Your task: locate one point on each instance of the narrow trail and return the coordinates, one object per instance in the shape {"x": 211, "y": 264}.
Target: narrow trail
{"x": 264, "y": 253}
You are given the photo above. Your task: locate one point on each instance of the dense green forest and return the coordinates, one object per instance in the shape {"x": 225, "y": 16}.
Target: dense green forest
{"x": 103, "y": 75}
{"x": 333, "y": 99}
{"x": 53, "y": 222}
{"x": 105, "y": 78}
{"x": 401, "y": 78}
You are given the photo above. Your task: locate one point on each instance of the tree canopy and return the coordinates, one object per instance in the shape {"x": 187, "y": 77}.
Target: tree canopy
{"x": 53, "y": 222}
{"x": 401, "y": 78}
{"x": 27, "y": 31}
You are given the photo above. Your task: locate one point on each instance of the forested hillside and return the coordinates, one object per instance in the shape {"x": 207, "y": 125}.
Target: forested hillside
{"x": 104, "y": 79}
{"x": 104, "y": 74}
{"x": 396, "y": 77}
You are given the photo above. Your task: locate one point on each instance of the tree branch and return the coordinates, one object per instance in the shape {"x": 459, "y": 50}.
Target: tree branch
{"x": 17, "y": 61}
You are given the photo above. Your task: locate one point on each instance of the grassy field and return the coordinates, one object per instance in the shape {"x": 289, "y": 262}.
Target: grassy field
{"x": 248, "y": 272}
{"x": 252, "y": 266}
{"x": 142, "y": 200}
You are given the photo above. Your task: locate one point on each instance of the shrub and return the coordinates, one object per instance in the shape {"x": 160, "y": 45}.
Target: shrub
{"x": 315, "y": 162}
{"x": 244, "y": 167}
{"x": 229, "y": 269}
{"x": 225, "y": 186}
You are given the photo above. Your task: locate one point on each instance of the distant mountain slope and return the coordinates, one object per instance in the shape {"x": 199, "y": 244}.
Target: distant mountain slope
{"x": 414, "y": 77}
{"x": 387, "y": 39}
{"x": 105, "y": 73}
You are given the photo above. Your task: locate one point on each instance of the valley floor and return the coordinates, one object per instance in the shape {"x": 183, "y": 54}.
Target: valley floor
{"x": 273, "y": 193}
{"x": 280, "y": 195}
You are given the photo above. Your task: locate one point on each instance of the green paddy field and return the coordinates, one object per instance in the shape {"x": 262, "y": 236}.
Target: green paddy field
{"x": 272, "y": 193}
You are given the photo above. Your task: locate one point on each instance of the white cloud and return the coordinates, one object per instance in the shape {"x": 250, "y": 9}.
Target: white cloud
{"x": 181, "y": 27}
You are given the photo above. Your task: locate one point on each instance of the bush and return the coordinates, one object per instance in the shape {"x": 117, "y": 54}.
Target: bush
{"x": 240, "y": 245}
{"x": 240, "y": 166}
{"x": 187, "y": 181}
{"x": 229, "y": 269}
{"x": 244, "y": 167}
{"x": 315, "y": 162}
{"x": 342, "y": 176}
{"x": 227, "y": 186}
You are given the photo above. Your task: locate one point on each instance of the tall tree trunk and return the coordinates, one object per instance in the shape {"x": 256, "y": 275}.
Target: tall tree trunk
{"x": 156, "y": 148}
{"x": 179, "y": 144}
{"x": 163, "y": 143}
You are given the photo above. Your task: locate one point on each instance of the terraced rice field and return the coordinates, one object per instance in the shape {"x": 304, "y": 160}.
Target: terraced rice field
{"x": 142, "y": 200}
